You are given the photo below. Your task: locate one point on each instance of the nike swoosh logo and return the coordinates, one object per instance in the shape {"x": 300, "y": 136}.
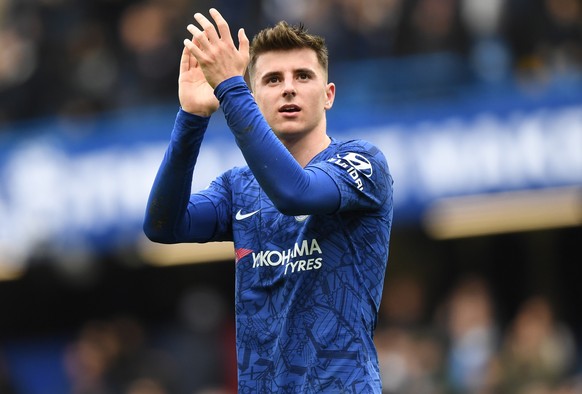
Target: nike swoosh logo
{"x": 240, "y": 216}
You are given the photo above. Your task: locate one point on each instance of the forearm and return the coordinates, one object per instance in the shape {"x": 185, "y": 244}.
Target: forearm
{"x": 293, "y": 189}
{"x": 167, "y": 217}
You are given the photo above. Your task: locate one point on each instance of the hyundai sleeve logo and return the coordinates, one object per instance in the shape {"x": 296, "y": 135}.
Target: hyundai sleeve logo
{"x": 359, "y": 162}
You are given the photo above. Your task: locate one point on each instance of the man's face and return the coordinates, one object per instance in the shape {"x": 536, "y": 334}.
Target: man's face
{"x": 291, "y": 90}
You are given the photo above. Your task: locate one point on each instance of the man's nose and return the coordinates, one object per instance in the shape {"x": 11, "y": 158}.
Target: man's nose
{"x": 289, "y": 90}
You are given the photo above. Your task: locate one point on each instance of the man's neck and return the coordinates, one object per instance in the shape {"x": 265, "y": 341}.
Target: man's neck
{"x": 305, "y": 149}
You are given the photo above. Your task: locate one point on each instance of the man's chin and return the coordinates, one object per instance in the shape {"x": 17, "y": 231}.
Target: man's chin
{"x": 289, "y": 133}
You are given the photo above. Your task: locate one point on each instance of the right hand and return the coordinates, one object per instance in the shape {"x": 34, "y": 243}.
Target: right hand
{"x": 214, "y": 48}
{"x": 195, "y": 94}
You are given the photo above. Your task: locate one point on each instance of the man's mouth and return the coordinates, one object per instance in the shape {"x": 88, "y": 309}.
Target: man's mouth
{"x": 289, "y": 108}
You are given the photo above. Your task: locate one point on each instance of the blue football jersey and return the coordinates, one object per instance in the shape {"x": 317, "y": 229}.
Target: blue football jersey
{"x": 308, "y": 287}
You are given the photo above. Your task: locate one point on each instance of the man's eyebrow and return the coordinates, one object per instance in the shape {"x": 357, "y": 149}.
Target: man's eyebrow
{"x": 304, "y": 71}
{"x": 270, "y": 74}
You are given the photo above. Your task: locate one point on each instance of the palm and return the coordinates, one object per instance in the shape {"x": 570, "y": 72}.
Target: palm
{"x": 195, "y": 94}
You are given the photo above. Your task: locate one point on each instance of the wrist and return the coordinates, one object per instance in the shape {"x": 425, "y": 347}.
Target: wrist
{"x": 189, "y": 119}
{"x": 228, "y": 84}
{"x": 195, "y": 112}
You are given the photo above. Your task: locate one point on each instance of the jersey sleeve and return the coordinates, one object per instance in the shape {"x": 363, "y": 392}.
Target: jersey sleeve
{"x": 360, "y": 171}
{"x": 172, "y": 213}
{"x": 219, "y": 194}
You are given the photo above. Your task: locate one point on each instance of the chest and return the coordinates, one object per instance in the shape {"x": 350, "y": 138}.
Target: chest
{"x": 258, "y": 225}
{"x": 271, "y": 247}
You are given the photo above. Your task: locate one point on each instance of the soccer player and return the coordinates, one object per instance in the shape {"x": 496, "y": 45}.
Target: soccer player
{"x": 310, "y": 216}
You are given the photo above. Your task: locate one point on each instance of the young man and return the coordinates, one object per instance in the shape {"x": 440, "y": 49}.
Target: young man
{"x": 310, "y": 216}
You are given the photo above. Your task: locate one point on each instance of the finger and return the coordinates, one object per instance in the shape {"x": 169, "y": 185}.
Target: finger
{"x": 207, "y": 26}
{"x": 243, "y": 44}
{"x": 193, "y": 49}
{"x": 222, "y": 25}
{"x": 198, "y": 36}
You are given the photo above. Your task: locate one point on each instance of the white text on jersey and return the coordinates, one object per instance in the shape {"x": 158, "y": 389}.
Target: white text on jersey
{"x": 304, "y": 256}
{"x": 354, "y": 164}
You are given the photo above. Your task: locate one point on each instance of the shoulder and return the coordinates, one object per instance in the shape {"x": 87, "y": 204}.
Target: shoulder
{"x": 360, "y": 172}
{"x": 236, "y": 172}
{"x": 356, "y": 145}
{"x": 235, "y": 176}
{"x": 356, "y": 151}
{"x": 231, "y": 182}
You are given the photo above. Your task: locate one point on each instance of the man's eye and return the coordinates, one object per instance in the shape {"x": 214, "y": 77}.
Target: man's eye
{"x": 273, "y": 79}
{"x": 303, "y": 76}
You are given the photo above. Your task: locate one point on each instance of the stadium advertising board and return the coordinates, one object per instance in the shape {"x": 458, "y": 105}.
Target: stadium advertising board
{"x": 67, "y": 187}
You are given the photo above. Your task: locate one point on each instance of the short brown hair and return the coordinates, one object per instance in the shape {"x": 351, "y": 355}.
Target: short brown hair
{"x": 284, "y": 36}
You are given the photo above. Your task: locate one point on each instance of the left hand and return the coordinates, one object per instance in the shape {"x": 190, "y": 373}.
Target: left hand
{"x": 215, "y": 51}
{"x": 195, "y": 94}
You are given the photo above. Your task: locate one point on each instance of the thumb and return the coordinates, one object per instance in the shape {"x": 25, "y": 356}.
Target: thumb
{"x": 185, "y": 61}
{"x": 243, "y": 44}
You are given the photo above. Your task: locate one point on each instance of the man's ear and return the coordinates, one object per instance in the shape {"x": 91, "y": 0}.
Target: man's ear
{"x": 330, "y": 96}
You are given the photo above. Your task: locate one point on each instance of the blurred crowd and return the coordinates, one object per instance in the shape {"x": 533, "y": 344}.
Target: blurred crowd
{"x": 123, "y": 353}
{"x": 458, "y": 345}
{"x": 81, "y": 57}
{"x": 467, "y": 347}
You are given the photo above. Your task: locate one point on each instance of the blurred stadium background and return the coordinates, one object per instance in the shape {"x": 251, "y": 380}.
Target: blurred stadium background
{"x": 477, "y": 104}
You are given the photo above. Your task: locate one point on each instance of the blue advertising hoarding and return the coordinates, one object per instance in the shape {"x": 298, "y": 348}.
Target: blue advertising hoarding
{"x": 67, "y": 186}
